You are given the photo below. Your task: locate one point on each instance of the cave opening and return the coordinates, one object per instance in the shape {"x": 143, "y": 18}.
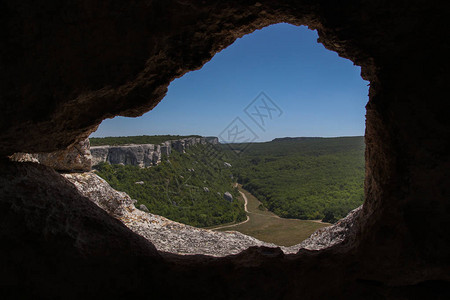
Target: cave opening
{"x": 316, "y": 108}
{"x": 66, "y": 67}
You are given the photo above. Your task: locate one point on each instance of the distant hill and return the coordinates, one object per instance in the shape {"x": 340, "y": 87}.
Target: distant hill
{"x": 304, "y": 178}
{"x": 140, "y": 139}
{"x": 295, "y": 138}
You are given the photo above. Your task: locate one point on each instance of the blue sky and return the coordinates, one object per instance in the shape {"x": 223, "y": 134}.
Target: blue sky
{"x": 317, "y": 92}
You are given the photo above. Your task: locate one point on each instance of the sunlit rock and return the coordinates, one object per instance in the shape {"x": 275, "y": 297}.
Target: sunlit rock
{"x": 76, "y": 158}
{"x": 227, "y": 196}
{"x": 144, "y": 155}
{"x": 166, "y": 235}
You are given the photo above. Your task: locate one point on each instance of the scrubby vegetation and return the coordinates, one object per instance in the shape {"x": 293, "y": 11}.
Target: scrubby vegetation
{"x": 187, "y": 188}
{"x": 141, "y": 139}
{"x": 304, "y": 178}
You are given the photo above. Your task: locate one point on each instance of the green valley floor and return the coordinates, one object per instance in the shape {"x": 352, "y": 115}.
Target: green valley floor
{"x": 268, "y": 227}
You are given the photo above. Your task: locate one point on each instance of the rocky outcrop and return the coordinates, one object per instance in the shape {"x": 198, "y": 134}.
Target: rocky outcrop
{"x": 166, "y": 235}
{"x": 76, "y": 158}
{"x": 174, "y": 237}
{"x": 331, "y": 235}
{"x": 143, "y": 208}
{"x": 227, "y": 196}
{"x": 39, "y": 201}
{"x": 145, "y": 155}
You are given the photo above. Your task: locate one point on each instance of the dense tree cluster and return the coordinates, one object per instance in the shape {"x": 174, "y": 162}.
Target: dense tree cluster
{"x": 187, "y": 188}
{"x": 304, "y": 178}
{"x": 141, "y": 139}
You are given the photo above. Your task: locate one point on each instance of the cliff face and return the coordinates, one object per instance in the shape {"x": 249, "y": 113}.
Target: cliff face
{"x": 144, "y": 155}
{"x": 136, "y": 155}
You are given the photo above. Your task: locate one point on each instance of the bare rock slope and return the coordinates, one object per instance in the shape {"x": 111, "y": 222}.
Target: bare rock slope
{"x": 331, "y": 235}
{"x": 174, "y": 237}
{"x": 166, "y": 235}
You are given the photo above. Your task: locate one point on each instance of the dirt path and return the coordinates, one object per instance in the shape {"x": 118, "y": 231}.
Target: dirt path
{"x": 250, "y": 213}
{"x": 245, "y": 208}
{"x": 278, "y": 217}
{"x": 272, "y": 215}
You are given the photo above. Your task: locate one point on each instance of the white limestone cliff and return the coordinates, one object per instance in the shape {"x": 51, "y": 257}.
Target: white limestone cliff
{"x": 145, "y": 155}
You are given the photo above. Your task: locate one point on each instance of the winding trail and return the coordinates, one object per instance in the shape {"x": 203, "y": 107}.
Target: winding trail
{"x": 266, "y": 226}
{"x": 245, "y": 208}
{"x": 254, "y": 214}
{"x": 278, "y": 217}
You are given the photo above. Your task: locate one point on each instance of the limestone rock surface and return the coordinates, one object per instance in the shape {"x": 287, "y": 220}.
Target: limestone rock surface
{"x": 145, "y": 155}
{"x": 227, "y": 196}
{"x": 143, "y": 208}
{"x": 331, "y": 235}
{"x": 76, "y": 158}
{"x": 174, "y": 237}
{"x": 166, "y": 235}
{"x": 42, "y": 212}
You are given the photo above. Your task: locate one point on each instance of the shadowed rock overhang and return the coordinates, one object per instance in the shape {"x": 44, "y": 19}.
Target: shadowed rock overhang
{"x": 67, "y": 65}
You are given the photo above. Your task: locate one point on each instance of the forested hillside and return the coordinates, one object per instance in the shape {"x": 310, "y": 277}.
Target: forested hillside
{"x": 305, "y": 178}
{"x": 140, "y": 139}
{"x": 186, "y": 188}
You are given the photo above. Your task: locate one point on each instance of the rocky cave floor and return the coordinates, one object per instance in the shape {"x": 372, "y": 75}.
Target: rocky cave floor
{"x": 173, "y": 237}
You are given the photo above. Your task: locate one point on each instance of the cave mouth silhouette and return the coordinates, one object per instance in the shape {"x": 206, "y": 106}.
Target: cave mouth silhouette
{"x": 337, "y": 90}
{"x": 93, "y": 61}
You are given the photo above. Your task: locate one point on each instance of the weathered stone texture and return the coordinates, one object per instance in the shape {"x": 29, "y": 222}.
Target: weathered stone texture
{"x": 227, "y": 196}
{"x": 177, "y": 238}
{"x": 67, "y": 65}
{"x": 334, "y": 234}
{"x": 43, "y": 216}
{"x": 76, "y": 158}
{"x": 144, "y": 155}
{"x": 166, "y": 235}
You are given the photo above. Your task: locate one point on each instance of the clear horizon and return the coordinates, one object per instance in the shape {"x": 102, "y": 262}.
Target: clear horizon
{"x": 276, "y": 82}
{"x": 279, "y": 137}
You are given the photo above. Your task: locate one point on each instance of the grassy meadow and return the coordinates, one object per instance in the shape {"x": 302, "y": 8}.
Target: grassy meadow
{"x": 268, "y": 227}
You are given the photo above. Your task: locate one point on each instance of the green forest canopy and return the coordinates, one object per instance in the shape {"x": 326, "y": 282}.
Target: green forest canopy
{"x": 185, "y": 187}
{"x": 304, "y": 178}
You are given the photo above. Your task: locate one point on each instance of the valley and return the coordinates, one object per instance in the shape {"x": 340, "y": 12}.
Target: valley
{"x": 302, "y": 178}
{"x": 268, "y": 227}
{"x": 290, "y": 185}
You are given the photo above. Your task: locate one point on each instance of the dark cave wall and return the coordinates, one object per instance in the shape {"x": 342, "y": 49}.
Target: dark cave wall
{"x": 67, "y": 65}
{"x": 70, "y": 64}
